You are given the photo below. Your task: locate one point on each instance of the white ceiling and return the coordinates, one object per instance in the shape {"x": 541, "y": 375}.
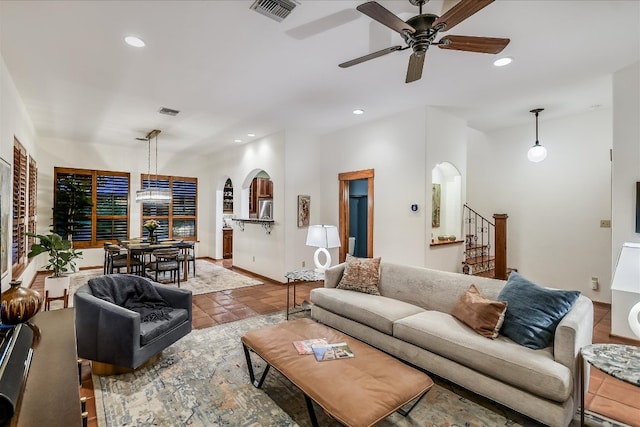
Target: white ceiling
{"x": 231, "y": 70}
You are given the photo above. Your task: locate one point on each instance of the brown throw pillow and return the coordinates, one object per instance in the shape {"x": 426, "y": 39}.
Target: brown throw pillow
{"x": 361, "y": 275}
{"x": 482, "y": 315}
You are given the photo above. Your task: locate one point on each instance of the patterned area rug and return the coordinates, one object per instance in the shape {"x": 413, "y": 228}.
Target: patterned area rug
{"x": 209, "y": 278}
{"x": 202, "y": 380}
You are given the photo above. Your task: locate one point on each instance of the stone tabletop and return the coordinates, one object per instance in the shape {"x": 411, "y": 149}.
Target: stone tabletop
{"x": 304, "y": 276}
{"x": 618, "y": 360}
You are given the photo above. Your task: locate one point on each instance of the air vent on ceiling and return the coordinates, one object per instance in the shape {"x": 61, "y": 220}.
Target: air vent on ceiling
{"x": 168, "y": 111}
{"x": 274, "y": 9}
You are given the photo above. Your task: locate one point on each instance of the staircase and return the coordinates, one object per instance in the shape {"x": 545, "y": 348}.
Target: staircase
{"x": 485, "y": 252}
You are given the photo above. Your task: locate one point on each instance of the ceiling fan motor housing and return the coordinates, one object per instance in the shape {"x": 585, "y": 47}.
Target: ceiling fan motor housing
{"x": 425, "y": 32}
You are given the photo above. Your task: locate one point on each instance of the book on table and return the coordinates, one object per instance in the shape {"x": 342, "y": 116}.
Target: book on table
{"x": 334, "y": 351}
{"x": 304, "y": 346}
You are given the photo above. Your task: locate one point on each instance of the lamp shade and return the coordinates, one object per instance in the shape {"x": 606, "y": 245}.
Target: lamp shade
{"x": 537, "y": 153}
{"x": 323, "y": 236}
{"x": 153, "y": 196}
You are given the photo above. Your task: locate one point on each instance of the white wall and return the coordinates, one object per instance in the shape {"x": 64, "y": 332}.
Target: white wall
{"x": 395, "y": 148}
{"x": 14, "y": 122}
{"x": 253, "y": 248}
{"x": 446, "y": 138}
{"x": 554, "y": 207}
{"x": 626, "y": 157}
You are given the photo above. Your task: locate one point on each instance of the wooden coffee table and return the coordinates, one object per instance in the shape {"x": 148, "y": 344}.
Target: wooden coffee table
{"x": 340, "y": 387}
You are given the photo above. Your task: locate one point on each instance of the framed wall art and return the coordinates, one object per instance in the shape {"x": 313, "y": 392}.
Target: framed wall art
{"x": 304, "y": 206}
{"x": 5, "y": 211}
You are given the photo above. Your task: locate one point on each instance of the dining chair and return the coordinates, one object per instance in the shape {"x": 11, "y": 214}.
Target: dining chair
{"x": 189, "y": 251}
{"x": 165, "y": 260}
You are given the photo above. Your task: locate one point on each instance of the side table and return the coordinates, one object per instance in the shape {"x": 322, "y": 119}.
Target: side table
{"x": 295, "y": 277}
{"x": 618, "y": 360}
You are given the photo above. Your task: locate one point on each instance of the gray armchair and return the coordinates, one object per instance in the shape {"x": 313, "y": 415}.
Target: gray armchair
{"x": 115, "y": 335}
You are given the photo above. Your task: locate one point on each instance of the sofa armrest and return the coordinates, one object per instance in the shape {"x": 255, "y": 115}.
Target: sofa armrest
{"x": 333, "y": 275}
{"x": 103, "y": 328}
{"x": 574, "y": 331}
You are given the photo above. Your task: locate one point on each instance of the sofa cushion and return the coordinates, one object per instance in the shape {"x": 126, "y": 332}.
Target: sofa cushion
{"x": 361, "y": 275}
{"x": 534, "y": 371}
{"x": 153, "y": 329}
{"x": 533, "y": 312}
{"x": 375, "y": 311}
{"x": 480, "y": 314}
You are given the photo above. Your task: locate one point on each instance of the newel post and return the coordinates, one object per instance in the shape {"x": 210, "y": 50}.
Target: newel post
{"x": 501, "y": 246}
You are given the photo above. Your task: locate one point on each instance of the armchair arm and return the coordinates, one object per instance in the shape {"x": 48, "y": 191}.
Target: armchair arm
{"x": 176, "y": 298}
{"x": 333, "y": 275}
{"x": 574, "y": 331}
{"x": 104, "y": 329}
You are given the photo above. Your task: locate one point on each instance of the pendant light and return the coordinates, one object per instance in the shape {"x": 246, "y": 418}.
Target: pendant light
{"x": 153, "y": 194}
{"x": 537, "y": 153}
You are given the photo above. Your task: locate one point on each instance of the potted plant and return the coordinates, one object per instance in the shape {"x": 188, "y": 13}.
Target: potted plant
{"x": 62, "y": 258}
{"x": 70, "y": 208}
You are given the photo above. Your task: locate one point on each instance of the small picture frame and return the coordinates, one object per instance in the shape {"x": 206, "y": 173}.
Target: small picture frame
{"x": 304, "y": 208}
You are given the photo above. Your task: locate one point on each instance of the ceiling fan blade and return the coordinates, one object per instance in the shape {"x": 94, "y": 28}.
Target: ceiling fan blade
{"x": 473, "y": 44}
{"x": 460, "y": 12}
{"x": 369, "y": 56}
{"x": 373, "y": 10}
{"x": 416, "y": 63}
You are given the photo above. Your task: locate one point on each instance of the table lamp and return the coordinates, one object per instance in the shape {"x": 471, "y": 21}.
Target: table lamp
{"x": 322, "y": 237}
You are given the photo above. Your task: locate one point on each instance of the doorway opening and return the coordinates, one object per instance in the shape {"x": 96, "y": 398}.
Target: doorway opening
{"x": 356, "y": 213}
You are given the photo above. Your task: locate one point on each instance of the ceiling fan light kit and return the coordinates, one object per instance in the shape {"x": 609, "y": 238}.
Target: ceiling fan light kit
{"x": 537, "y": 153}
{"x": 420, "y": 32}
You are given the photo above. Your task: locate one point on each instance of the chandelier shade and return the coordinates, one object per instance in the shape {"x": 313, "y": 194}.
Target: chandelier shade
{"x": 153, "y": 195}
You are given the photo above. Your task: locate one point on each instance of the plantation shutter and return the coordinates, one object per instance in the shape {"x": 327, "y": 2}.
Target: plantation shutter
{"x": 19, "y": 246}
{"x": 177, "y": 219}
{"x": 33, "y": 197}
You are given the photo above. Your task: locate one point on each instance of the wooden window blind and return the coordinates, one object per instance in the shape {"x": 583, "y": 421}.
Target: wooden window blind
{"x": 178, "y": 219}
{"x": 19, "y": 243}
{"x": 108, "y": 219}
{"x": 33, "y": 198}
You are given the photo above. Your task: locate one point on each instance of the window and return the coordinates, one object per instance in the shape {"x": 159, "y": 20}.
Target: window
{"x": 107, "y": 219}
{"x": 19, "y": 240}
{"x": 178, "y": 220}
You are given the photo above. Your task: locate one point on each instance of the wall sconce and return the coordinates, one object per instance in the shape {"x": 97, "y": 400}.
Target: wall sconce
{"x": 537, "y": 153}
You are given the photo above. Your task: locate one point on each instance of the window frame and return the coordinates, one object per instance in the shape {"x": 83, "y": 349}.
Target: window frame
{"x": 146, "y": 179}
{"x": 95, "y": 173}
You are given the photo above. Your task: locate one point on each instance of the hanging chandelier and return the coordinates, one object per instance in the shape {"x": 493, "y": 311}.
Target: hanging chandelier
{"x": 153, "y": 194}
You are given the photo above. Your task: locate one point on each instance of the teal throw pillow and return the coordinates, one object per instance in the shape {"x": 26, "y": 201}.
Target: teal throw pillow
{"x": 533, "y": 312}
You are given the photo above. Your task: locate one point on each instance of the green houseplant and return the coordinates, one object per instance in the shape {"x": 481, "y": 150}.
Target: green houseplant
{"x": 62, "y": 258}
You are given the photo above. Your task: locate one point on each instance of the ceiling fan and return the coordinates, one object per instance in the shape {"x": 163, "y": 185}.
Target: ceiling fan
{"x": 421, "y": 31}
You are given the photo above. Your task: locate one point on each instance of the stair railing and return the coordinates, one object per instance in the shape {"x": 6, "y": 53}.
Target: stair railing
{"x": 479, "y": 253}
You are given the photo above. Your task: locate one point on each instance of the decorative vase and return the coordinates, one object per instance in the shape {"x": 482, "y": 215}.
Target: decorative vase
{"x": 152, "y": 237}
{"x": 19, "y": 304}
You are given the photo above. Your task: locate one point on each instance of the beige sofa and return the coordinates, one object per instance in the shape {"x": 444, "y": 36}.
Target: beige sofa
{"x": 411, "y": 321}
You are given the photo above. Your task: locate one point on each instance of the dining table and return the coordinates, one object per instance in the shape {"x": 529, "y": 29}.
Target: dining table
{"x": 145, "y": 247}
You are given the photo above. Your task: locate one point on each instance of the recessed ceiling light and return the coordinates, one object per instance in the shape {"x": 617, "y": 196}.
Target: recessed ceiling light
{"x": 134, "y": 41}
{"x": 251, "y": 135}
{"x": 358, "y": 111}
{"x": 237, "y": 140}
{"x": 502, "y": 62}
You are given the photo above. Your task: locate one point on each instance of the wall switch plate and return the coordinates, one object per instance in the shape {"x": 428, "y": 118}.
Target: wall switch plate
{"x": 605, "y": 223}
{"x": 304, "y": 264}
{"x": 594, "y": 283}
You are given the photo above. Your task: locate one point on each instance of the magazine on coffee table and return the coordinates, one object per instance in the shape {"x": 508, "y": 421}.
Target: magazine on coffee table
{"x": 304, "y": 346}
{"x": 335, "y": 351}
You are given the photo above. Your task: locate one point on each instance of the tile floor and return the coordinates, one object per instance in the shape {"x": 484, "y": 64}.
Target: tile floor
{"x": 607, "y": 396}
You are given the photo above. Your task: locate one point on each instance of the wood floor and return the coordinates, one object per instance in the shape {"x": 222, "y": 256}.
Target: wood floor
{"x": 607, "y": 396}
